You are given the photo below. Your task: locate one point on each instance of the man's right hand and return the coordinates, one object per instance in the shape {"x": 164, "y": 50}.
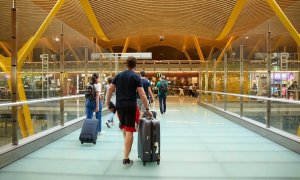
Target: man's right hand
{"x": 149, "y": 113}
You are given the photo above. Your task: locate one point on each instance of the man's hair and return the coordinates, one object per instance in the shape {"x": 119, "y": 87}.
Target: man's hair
{"x": 143, "y": 73}
{"x": 131, "y": 62}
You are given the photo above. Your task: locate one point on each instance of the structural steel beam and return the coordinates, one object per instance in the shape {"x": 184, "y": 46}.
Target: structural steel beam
{"x": 93, "y": 19}
{"x": 51, "y": 46}
{"x": 125, "y": 45}
{"x": 184, "y": 44}
{"x": 187, "y": 55}
{"x": 200, "y": 54}
{"x": 7, "y": 52}
{"x": 22, "y": 55}
{"x": 4, "y": 63}
{"x": 139, "y": 48}
{"x": 278, "y": 42}
{"x": 5, "y": 66}
{"x": 73, "y": 52}
{"x": 210, "y": 53}
{"x": 254, "y": 48}
{"x": 232, "y": 18}
{"x": 224, "y": 50}
{"x": 25, "y": 117}
{"x": 285, "y": 21}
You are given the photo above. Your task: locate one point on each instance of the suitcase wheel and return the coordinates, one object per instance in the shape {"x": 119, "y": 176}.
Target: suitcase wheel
{"x": 144, "y": 163}
{"x": 158, "y": 162}
{"x": 95, "y": 142}
{"x": 81, "y": 142}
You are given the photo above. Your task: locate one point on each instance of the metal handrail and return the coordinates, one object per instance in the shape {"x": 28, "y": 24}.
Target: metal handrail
{"x": 254, "y": 97}
{"x": 36, "y": 101}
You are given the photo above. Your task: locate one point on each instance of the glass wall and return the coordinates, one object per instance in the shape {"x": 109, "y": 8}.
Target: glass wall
{"x": 60, "y": 63}
{"x": 245, "y": 69}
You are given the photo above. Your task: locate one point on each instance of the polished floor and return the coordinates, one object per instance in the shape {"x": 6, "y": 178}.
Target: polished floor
{"x": 196, "y": 144}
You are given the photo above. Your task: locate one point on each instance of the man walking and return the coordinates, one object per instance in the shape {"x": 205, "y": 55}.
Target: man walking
{"x": 148, "y": 92}
{"x": 126, "y": 84}
{"x": 162, "y": 87}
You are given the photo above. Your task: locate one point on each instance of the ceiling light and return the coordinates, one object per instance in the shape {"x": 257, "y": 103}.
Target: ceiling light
{"x": 246, "y": 37}
{"x": 57, "y": 39}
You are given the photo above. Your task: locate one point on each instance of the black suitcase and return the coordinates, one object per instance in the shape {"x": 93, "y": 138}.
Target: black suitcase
{"x": 153, "y": 113}
{"x": 89, "y": 131}
{"x": 149, "y": 140}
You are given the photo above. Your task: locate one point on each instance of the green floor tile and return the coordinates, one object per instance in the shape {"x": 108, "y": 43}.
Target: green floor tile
{"x": 196, "y": 144}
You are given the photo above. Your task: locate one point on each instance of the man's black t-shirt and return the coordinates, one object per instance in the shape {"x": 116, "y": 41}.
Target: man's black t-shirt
{"x": 126, "y": 84}
{"x": 146, "y": 85}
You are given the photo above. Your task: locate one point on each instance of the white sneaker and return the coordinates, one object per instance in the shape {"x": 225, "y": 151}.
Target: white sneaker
{"x": 108, "y": 124}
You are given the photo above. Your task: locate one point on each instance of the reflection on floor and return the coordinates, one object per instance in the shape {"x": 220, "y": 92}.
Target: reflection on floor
{"x": 196, "y": 144}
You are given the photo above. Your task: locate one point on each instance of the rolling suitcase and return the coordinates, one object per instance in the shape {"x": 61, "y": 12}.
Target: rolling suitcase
{"x": 89, "y": 131}
{"x": 149, "y": 140}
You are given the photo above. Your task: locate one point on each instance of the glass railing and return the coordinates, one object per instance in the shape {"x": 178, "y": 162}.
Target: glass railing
{"x": 284, "y": 114}
{"x": 36, "y": 116}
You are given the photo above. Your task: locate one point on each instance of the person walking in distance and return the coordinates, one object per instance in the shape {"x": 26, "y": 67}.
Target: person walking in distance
{"x": 93, "y": 101}
{"x": 112, "y": 105}
{"x": 126, "y": 84}
{"x": 162, "y": 87}
{"x": 148, "y": 91}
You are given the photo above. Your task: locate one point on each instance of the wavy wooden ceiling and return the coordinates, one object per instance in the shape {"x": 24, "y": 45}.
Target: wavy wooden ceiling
{"x": 143, "y": 21}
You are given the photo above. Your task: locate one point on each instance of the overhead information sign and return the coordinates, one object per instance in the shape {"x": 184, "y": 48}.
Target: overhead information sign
{"x": 141, "y": 55}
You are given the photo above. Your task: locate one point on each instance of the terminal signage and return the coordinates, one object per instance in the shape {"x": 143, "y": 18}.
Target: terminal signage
{"x": 142, "y": 55}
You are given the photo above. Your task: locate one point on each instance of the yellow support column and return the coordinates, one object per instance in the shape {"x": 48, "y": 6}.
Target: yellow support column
{"x": 254, "y": 48}
{"x": 298, "y": 132}
{"x": 25, "y": 108}
{"x": 232, "y": 18}
{"x": 93, "y": 19}
{"x": 26, "y": 125}
{"x": 278, "y": 42}
{"x": 7, "y": 52}
{"x": 111, "y": 50}
{"x": 6, "y": 67}
{"x": 285, "y": 21}
{"x": 224, "y": 50}
{"x": 187, "y": 55}
{"x": 126, "y": 45}
{"x": 200, "y": 54}
{"x": 210, "y": 53}
{"x": 50, "y": 45}
{"x": 24, "y": 52}
{"x": 73, "y": 52}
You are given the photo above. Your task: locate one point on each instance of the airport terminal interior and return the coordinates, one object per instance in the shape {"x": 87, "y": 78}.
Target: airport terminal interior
{"x": 232, "y": 69}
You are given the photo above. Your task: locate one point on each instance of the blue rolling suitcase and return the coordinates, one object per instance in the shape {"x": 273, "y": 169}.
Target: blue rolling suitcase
{"x": 149, "y": 140}
{"x": 89, "y": 131}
